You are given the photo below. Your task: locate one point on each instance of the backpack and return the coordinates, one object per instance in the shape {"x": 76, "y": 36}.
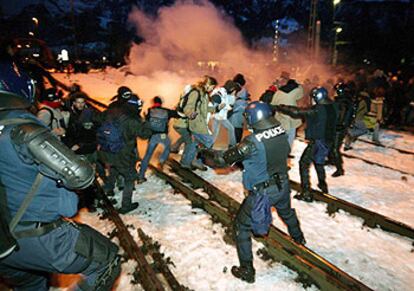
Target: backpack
{"x": 184, "y": 100}
{"x": 109, "y": 136}
{"x": 59, "y": 122}
{"x": 158, "y": 119}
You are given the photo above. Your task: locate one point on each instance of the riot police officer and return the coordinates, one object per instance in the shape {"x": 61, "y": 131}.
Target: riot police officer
{"x": 37, "y": 176}
{"x": 319, "y": 132}
{"x": 264, "y": 156}
{"x": 343, "y": 103}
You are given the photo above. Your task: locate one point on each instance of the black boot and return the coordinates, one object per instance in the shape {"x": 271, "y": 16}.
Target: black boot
{"x": 300, "y": 240}
{"x": 338, "y": 173}
{"x": 244, "y": 272}
{"x": 127, "y": 204}
{"x": 128, "y": 207}
{"x": 323, "y": 186}
{"x": 305, "y": 195}
{"x": 198, "y": 166}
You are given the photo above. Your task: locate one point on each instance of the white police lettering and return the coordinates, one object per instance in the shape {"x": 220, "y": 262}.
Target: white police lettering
{"x": 269, "y": 133}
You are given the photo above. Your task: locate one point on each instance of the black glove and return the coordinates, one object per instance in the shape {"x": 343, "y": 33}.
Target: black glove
{"x": 212, "y": 158}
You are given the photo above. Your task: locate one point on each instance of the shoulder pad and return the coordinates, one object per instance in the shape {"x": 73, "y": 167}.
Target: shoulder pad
{"x": 24, "y": 133}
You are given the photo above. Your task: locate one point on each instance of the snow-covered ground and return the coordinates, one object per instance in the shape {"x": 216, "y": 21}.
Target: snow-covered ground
{"x": 202, "y": 259}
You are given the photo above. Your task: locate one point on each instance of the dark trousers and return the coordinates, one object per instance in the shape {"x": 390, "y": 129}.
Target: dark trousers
{"x": 280, "y": 199}
{"x": 129, "y": 174}
{"x": 306, "y": 160}
{"x": 335, "y": 155}
{"x": 28, "y": 267}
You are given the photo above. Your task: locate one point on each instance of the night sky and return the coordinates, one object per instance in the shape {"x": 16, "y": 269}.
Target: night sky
{"x": 371, "y": 28}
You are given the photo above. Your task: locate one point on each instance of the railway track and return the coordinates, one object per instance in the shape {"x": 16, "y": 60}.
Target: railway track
{"x": 385, "y": 146}
{"x": 312, "y": 268}
{"x": 152, "y": 271}
{"x": 371, "y": 219}
{"x": 350, "y": 156}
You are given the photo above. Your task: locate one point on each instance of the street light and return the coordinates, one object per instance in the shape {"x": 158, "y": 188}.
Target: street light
{"x": 36, "y": 25}
{"x": 335, "y": 31}
{"x": 335, "y": 51}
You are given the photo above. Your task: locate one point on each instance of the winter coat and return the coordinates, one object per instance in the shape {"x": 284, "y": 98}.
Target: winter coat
{"x": 131, "y": 126}
{"x": 288, "y": 95}
{"x": 226, "y": 100}
{"x": 82, "y": 131}
{"x": 197, "y": 102}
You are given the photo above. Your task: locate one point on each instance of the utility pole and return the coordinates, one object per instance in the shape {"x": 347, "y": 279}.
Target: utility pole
{"x": 335, "y": 30}
{"x": 312, "y": 28}
{"x": 75, "y": 37}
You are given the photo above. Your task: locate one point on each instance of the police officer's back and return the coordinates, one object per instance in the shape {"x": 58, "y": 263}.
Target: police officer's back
{"x": 264, "y": 156}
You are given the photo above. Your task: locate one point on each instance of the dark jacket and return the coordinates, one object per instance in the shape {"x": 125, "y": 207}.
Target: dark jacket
{"x": 82, "y": 131}
{"x": 17, "y": 173}
{"x": 320, "y": 120}
{"x": 268, "y": 158}
{"x": 131, "y": 126}
{"x": 344, "y": 108}
{"x": 160, "y": 116}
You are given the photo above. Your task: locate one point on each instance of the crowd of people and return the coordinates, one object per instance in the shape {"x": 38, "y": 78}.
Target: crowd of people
{"x": 54, "y": 143}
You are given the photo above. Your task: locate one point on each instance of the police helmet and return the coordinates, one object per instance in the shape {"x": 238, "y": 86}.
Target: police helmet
{"x": 341, "y": 89}
{"x": 319, "y": 94}
{"x": 17, "y": 89}
{"x": 135, "y": 101}
{"x": 259, "y": 115}
{"x": 124, "y": 92}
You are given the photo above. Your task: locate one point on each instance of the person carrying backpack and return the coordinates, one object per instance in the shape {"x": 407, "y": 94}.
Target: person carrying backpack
{"x": 192, "y": 125}
{"x": 117, "y": 147}
{"x": 49, "y": 111}
{"x": 157, "y": 118}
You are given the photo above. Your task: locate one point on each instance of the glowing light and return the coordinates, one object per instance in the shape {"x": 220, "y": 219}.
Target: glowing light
{"x": 338, "y": 29}
{"x": 336, "y": 2}
{"x": 35, "y": 20}
{"x": 31, "y": 33}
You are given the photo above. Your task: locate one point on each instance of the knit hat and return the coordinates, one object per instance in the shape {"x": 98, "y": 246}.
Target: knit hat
{"x": 239, "y": 78}
{"x": 157, "y": 99}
